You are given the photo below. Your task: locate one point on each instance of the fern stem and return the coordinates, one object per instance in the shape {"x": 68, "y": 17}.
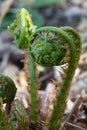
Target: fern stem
{"x": 60, "y": 105}
{"x": 33, "y": 88}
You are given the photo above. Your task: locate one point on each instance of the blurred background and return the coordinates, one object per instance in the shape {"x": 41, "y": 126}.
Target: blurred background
{"x": 44, "y": 12}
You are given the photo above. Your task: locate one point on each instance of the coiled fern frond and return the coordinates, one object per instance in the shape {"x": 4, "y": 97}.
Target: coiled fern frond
{"x": 51, "y": 46}
{"x": 22, "y": 28}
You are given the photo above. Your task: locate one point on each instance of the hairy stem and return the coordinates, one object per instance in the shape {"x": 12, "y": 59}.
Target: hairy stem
{"x": 64, "y": 90}
{"x": 33, "y": 88}
{"x": 3, "y": 122}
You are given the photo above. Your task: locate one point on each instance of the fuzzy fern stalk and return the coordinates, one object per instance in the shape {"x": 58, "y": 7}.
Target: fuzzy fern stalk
{"x": 33, "y": 90}
{"x": 22, "y": 28}
{"x": 18, "y": 116}
{"x": 51, "y": 46}
{"x": 4, "y": 123}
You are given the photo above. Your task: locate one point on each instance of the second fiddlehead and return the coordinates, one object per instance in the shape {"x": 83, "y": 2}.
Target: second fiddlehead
{"x": 22, "y": 28}
{"x": 51, "y": 46}
{"x": 7, "y": 89}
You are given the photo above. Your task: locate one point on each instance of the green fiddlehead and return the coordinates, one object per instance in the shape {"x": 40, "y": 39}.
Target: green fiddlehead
{"x": 22, "y": 28}
{"x": 7, "y": 89}
{"x": 50, "y": 46}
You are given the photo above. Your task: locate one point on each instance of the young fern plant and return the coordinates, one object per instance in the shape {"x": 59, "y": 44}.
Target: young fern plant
{"x": 47, "y": 46}
{"x": 22, "y": 28}
{"x": 51, "y": 46}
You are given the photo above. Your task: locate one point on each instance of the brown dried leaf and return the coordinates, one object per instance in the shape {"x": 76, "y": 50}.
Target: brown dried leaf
{"x": 47, "y": 103}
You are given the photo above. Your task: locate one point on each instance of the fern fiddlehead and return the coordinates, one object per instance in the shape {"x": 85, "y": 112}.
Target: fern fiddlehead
{"x": 7, "y": 89}
{"x": 50, "y": 46}
{"x": 22, "y": 28}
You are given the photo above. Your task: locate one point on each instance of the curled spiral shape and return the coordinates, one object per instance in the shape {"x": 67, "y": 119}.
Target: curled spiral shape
{"x": 22, "y": 28}
{"x": 48, "y": 45}
{"x": 51, "y": 46}
{"x": 7, "y": 89}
